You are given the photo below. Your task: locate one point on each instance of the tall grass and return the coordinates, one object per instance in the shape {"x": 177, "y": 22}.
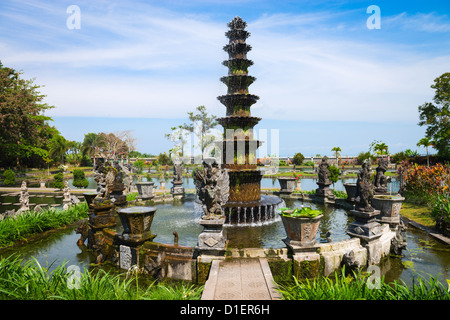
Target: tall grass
{"x": 355, "y": 287}
{"x": 29, "y": 280}
{"x": 29, "y": 223}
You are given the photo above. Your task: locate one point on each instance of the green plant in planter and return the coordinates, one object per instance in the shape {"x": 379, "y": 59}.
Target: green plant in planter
{"x": 9, "y": 177}
{"x": 303, "y": 212}
{"x": 59, "y": 183}
{"x": 79, "y": 179}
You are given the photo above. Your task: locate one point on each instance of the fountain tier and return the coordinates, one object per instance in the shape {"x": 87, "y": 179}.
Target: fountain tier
{"x": 245, "y": 205}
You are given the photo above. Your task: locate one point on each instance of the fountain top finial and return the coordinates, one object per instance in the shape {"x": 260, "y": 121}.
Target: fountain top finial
{"x": 237, "y": 23}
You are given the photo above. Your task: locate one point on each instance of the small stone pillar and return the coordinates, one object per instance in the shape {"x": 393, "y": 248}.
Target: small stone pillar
{"x": 177, "y": 190}
{"x": 368, "y": 230}
{"x": 101, "y": 216}
{"x": 213, "y": 239}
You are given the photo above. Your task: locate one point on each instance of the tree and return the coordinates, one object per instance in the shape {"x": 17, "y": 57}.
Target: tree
{"x": 365, "y": 155}
{"x": 298, "y": 159}
{"x": 178, "y": 135}
{"x": 90, "y": 145}
{"x": 426, "y": 142}
{"x": 24, "y": 130}
{"x": 201, "y": 125}
{"x": 436, "y": 116}
{"x": 336, "y": 153}
{"x": 379, "y": 147}
{"x": 58, "y": 147}
{"x": 113, "y": 144}
{"x": 334, "y": 174}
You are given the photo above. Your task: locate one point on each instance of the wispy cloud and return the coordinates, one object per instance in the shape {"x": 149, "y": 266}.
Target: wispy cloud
{"x": 423, "y": 22}
{"x": 144, "y": 60}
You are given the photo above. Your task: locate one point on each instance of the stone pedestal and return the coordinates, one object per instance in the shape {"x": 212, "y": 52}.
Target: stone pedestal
{"x": 120, "y": 199}
{"x": 213, "y": 239}
{"x": 324, "y": 190}
{"x": 101, "y": 216}
{"x": 177, "y": 189}
{"x": 365, "y": 226}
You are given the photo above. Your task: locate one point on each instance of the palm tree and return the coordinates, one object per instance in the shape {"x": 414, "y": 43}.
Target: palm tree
{"x": 426, "y": 142}
{"x": 90, "y": 145}
{"x": 58, "y": 147}
{"x": 336, "y": 153}
{"x": 381, "y": 148}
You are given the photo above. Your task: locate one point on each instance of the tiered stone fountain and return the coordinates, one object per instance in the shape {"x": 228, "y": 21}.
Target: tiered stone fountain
{"x": 245, "y": 204}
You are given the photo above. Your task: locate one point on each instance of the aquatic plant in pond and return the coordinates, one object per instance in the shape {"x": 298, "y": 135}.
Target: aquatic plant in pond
{"x": 30, "y": 280}
{"x": 359, "y": 285}
{"x": 29, "y": 223}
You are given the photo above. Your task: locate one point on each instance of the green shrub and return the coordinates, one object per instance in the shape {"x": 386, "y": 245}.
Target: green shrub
{"x": 79, "y": 179}
{"x": 139, "y": 164}
{"x": 9, "y": 178}
{"x": 309, "y": 163}
{"x": 59, "y": 181}
{"x": 298, "y": 159}
{"x": 441, "y": 208}
{"x": 334, "y": 174}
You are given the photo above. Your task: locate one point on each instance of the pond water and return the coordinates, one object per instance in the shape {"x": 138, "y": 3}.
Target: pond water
{"x": 424, "y": 255}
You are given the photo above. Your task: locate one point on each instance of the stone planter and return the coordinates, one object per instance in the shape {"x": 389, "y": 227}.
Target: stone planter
{"x": 298, "y": 184}
{"x": 136, "y": 222}
{"x": 287, "y": 184}
{"x": 301, "y": 231}
{"x": 89, "y": 196}
{"x": 350, "y": 189}
{"x": 145, "y": 190}
{"x": 389, "y": 207}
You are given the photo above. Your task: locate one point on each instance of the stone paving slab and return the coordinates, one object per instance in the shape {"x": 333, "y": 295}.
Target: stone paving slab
{"x": 240, "y": 279}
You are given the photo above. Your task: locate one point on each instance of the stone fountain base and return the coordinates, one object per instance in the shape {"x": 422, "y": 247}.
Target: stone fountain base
{"x": 252, "y": 212}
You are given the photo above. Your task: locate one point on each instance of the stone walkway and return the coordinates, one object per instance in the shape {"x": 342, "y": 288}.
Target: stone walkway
{"x": 240, "y": 279}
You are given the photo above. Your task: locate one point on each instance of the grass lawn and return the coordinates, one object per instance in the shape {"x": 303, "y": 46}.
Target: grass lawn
{"x": 418, "y": 213}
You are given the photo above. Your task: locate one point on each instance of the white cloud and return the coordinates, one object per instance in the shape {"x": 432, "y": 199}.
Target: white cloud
{"x": 151, "y": 62}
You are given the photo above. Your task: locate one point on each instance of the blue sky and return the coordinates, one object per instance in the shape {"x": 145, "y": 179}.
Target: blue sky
{"x": 324, "y": 79}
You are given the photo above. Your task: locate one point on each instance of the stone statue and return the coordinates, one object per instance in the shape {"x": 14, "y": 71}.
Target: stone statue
{"x": 24, "y": 198}
{"x": 380, "y": 181}
{"x": 99, "y": 177}
{"x": 324, "y": 173}
{"x": 324, "y": 181}
{"x": 177, "y": 171}
{"x": 364, "y": 189}
{"x": 213, "y": 188}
